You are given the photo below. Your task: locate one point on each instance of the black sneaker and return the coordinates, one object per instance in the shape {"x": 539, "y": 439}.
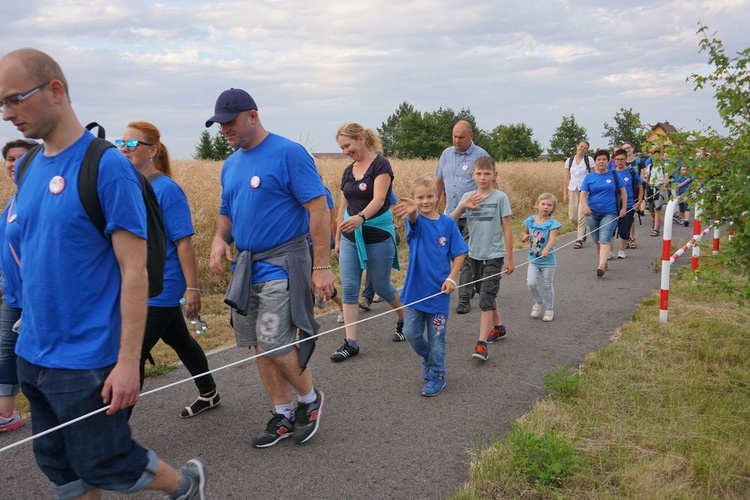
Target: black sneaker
{"x": 399, "y": 335}
{"x": 278, "y": 428}
{"x": 195, "y": 471}
{"x": 308, "y": 418}
{"x": 344, "y": 352}
{"x": 463, "y": 307}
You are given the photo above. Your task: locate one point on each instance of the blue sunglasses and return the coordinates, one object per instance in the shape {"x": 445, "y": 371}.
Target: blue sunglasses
{"x": 129, "y": 145}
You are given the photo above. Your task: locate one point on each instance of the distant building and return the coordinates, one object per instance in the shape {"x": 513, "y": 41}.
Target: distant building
{"x": 661, "y": 129}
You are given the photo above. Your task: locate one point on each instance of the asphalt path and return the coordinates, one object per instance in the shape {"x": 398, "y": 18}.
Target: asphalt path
{"x": 378, "y": 437}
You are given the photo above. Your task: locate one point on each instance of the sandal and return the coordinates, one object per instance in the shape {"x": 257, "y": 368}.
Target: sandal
{"x": 579, "y": 244}
{"x": 200, "y": 405}
{"x": 633, "y": 244}
{"x": 655, "y": 232}
{"x": 364, "y": 304}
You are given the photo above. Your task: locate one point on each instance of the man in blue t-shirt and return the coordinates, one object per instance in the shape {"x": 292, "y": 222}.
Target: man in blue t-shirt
{"x": 84, "y": 298}
{"x": 271, "y": 197}
{"x": 453, "y": 178}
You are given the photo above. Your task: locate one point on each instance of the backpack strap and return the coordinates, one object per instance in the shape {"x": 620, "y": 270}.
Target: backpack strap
{"x": 23, "y": 165}
{"x": 586, "y": 161}
{"x": 100, "y": 133}
{"x": 88, "y": 178}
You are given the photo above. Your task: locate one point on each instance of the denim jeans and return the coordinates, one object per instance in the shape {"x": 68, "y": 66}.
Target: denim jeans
{"x": 601, "y": 227}
{"x": 96, "y": 452}
{"x": 379, "y": 262}
{"x": 431, "y": 348}
{"x": 548, "y": 274}
{"x": 8, "y": 338}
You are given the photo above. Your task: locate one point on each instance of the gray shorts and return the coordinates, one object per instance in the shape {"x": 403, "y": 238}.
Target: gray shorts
{"x": 268, "y": 323}
{"x": 490, "y": 286}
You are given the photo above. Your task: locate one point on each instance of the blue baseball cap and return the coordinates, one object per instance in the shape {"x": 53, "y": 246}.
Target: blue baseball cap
{"x": 229, "y": 104}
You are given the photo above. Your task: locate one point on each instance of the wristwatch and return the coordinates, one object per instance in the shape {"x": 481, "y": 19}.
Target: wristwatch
{"x": 364, "y": 219}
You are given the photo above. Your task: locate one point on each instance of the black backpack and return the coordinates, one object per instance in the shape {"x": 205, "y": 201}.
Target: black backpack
{"x": 88, "y": 178}
{"x": 585, "y": 160}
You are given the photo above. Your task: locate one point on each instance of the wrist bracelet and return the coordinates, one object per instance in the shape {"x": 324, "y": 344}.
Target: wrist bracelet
{"x": 452, "y": 281}
{"x": 364, "y": 219}
{"x": 319, "y": 268}
{"x": 193, "y": 289}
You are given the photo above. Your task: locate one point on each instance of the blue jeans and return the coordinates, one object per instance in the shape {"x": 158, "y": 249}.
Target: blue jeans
{"x": 379, "y": 262}
{"x": 601, "y": 227}
{"x": 96, "y": 452}
{"x": 431, "y": 348}
{"x": 548, "y": 274}
{"x": 8, "y": 338}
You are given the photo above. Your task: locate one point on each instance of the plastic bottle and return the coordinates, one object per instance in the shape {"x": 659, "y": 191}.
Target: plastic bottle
{"x": 320, "y": 301}
{"x": 199, "y": 326}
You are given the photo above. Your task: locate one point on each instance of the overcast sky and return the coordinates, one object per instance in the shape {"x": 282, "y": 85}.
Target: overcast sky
{"x": 312, "y": 65}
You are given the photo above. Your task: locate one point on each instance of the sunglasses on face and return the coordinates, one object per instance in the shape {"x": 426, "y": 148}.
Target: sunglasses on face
{"x": 130, "y": 145}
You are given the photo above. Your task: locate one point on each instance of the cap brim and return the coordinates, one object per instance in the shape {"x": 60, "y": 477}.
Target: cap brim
{"x": 221, "y": 118}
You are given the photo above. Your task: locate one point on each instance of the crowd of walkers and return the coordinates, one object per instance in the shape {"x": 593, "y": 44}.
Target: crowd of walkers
{"x": 78, "y": 320}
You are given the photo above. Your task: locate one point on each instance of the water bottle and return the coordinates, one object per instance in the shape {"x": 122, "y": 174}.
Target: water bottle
{"x": 197, "y": 324}
{"x": 320, "y": 301}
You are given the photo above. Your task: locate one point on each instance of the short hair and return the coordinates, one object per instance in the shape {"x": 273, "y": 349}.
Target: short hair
{"x": 423, "y": 181}
{"x": 26, "y": 144}
{"x": 620, "y": 151}
{"x": 484, "y": 163}
{"x": 601, "y": 152}
{"x": 357, "y": 131}
{"x": 548, "y": 196}
{"x": 40, "y": 67}
{"x": 161, "y": 161}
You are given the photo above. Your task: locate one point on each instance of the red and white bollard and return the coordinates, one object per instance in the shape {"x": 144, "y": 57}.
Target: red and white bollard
{"x": 666, "y": 261}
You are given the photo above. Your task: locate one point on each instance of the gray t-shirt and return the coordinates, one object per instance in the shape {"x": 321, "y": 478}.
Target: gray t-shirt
{"x": 486, "y": 239}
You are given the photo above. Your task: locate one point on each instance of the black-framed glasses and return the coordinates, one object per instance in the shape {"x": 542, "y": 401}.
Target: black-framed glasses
{"x": 130, "y": 145}
{"x": 620, "y": 159}
{"x": 13, "y": 102}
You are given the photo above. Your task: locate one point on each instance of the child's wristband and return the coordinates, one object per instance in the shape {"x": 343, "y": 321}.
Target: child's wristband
{"x": 452, "y": 281}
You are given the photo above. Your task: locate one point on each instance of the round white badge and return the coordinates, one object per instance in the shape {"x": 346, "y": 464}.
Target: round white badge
{"x": 609, "y": 181}
{"x": 442, "y": 241}
{"x": 255, "y": 181}
{"x": 56, "y": 185}
{"x": 362, "y": 186}
{"x": 464, "y": 168}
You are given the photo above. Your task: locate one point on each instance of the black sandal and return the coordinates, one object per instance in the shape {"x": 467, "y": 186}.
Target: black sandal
{"x": 579, "y": 244}
{"x": 200, "y": 405}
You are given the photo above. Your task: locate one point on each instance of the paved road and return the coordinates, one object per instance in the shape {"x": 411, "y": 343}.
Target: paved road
{"x": 379, "y": 439}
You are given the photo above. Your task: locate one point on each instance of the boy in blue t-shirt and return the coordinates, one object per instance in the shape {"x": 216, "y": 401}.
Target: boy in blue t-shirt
{"x": 682, "y": 182}
{"x": 434, "y": 241}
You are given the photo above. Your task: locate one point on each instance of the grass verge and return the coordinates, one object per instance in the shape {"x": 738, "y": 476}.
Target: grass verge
{"x": 662, "y": 412}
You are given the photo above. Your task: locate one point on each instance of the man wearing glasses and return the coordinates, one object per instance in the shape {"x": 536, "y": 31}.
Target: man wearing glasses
{"x": 84, "y": 298}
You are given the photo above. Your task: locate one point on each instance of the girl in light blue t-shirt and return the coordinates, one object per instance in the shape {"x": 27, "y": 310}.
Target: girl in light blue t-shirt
{"x": 540, "y": 231}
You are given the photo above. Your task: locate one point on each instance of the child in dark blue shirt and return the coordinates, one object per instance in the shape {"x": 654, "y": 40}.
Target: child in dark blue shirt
{"x": 434, "y": 241}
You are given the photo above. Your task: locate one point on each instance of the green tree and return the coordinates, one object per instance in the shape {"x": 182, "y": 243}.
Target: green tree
{"x": 627, "y": 128}
{"x": 222, "y": 149}
{"x": 204, "y": 150}
{"x": 513, "y": 142}
{"x": 566, "y": 138}
{"x": 721, "y": 167}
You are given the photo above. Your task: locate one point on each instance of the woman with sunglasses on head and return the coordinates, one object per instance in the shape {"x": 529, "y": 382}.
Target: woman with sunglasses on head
{"x": 11, "y": 308}
{"x": 141, "y": 144}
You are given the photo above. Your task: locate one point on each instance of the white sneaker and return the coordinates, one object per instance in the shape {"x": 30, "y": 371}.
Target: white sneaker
{"x": 340, "y": 318}
{"x": 621, "y": 254}
{"x": 611, "y": 255}
{"x": 536, "y": 310}
{"x": 549, "y": 315}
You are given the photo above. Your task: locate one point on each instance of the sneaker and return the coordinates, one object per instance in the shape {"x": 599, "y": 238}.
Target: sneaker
{"x": 399, "y": 335}
{"x": 481, "y": 352}
{"x": 344, "y": 352}
{"x": 433, "y": 387}
{"x": 463, "y": 307}
{"x": 278, "y": 428}
{"x": 200, "y": 405}
{"x": 377, "y": 299}
{"x": 536, "y": 311}
{"x": 308, "y": 418}
{"x": 621, "y": 254}
{"x": 496, "y": 334}
{"x": 340, "y": 318}
{"x": 195, "y": 471}
{"x": 11, "y": 423}
{"x": 677, "y": 220}
{"x": 365, "y": 303}
{"x": 549, "y": 315}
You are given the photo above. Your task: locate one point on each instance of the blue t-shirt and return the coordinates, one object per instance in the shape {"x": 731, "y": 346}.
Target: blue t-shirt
{"x": 69, "y": 273}
{"x": 601, "y": 192}
{"x": 433, "y": 244}
{"x": 680, "y": 180}
{"x": 330, "y": 204}
{"x": 178, "y": 224}
{"x": 626, "y": 181}
{"x": 538, "y": 239}
{"x": 263, "y": 193}
{"x": 9, "y": 238}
